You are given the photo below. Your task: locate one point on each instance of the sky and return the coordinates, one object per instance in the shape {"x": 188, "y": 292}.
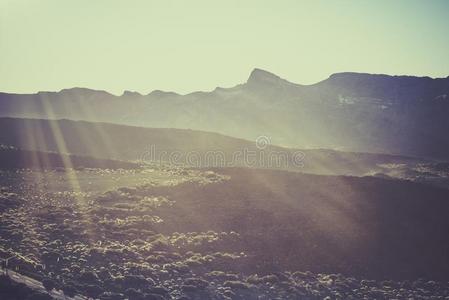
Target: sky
{"x": 185, "y": 46}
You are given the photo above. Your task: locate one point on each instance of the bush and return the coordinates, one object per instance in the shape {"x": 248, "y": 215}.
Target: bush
{"x": 134, "y": 294}
{"x": 159, "y": 290}
{"x": 92, "y": 290}
{"x": 137, "y": 281}
{"x": 111, "y": 296}
{"x": 69, "y": 290}
{"x": 153, "y": 297}
{"x": 189, "y": 288}
{"x": 39, "y": 296}
{"x": 198, "y": 282}
{"x": 48, "y": 284}
{"x": 270, "y": 279}
{"x": 254, "y": 279}
{"x": 89, "y": 277}
{"x": 236, "y": 285}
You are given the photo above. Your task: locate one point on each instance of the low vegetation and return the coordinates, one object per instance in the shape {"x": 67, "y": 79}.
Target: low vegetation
{"x": 173, "y": 233}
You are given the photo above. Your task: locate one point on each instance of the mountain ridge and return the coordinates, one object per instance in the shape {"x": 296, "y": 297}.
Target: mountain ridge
{"x": 253, "y": 74}
{"x": 357, "y": 112}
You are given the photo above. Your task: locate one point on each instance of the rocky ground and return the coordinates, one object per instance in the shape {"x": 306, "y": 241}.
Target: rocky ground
{"x": 143, "y": 234}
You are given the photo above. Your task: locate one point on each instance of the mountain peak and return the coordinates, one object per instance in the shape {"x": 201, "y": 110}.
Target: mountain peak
{"x": 80, "y": 91}
{"x": 262, "y": 76}
{"x": 159, "y": 93}
{"x": 357, "y": 75}
{"x": 127, "y": 93}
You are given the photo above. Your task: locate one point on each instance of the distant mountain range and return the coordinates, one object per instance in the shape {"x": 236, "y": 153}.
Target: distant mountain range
{"x": 349, "y": 111}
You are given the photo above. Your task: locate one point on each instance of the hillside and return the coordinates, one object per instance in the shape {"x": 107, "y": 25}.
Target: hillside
{"x": 403, "y": 115}
{"x": 13, "y": 158}
{"x": 184, "y": 147}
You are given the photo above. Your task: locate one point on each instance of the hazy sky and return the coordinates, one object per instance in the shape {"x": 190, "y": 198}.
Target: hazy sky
{"x": 185, "y": 46}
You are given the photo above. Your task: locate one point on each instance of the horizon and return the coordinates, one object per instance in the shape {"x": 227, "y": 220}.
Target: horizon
{"x": 224, "y": 87}
{"x": 197, "y": 46}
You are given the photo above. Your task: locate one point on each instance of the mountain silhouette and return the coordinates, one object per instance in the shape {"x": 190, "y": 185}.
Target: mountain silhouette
{"x": 403, "y": 115}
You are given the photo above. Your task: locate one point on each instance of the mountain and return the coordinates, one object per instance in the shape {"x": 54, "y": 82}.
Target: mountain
{"x": 185, "y": 147}
{"x": 402, "y": 115}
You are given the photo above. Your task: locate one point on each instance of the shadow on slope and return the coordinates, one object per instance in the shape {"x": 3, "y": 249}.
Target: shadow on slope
{"x": 12, "y": 158}
{"x": 182, "y": 147}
